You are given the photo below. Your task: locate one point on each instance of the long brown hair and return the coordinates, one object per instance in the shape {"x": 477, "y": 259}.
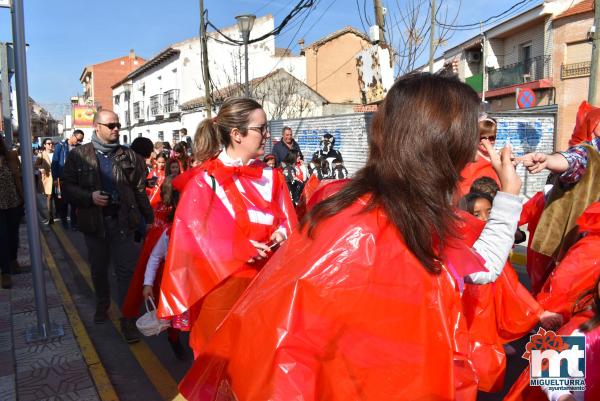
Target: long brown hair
{"x": 423, "y": 135}
{"x": 211, "y": 134}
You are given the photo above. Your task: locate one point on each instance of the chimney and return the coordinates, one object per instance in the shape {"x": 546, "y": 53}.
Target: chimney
{"x": 131, "y": 54}
{"x": 301, "y": 43}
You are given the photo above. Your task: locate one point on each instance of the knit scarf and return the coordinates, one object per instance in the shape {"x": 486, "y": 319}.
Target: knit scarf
{"x": 103, "y": 147}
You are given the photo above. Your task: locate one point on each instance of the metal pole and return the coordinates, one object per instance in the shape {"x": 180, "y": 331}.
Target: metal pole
{"x": 432, "y": 37}
{"x": 205, "y": 72}
{"x": 246, "y": 38}
{"x": 35, "y": 247}
{"x": 592, "y": 95}
{"x": 484, "y": 85}
{"x": 5, "y": 91}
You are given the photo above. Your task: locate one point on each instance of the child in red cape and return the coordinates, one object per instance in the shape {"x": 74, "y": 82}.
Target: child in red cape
{"x": 364, "y": 301}
{"x": 157, "y": 174}
{"x": 233, "y": 212}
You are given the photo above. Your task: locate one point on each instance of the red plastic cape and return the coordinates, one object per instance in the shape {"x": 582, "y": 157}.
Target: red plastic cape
{"x": 307, "y": 192}
{"x": 578, "y": 271}
{"x": 521, "y": 391}
{"x": 350, "y": 314}
{"x": 539, "y": 266}
{"x": 134, "y": 299}
{"x": 586, "y": 120}
{"x": 473, "y": 171}
{"x": 496, "y": 313}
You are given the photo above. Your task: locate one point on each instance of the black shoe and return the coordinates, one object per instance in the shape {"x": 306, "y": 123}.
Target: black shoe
{"x": 178, "y": 349}
{"x": 129, "y": 331}
{"x": 6, "y": 281}
{"x": 101, "y": 314}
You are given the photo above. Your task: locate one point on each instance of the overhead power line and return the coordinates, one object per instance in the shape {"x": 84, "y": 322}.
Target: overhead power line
{"x": 302, "y": 4}
{"x": 488, "y": 20}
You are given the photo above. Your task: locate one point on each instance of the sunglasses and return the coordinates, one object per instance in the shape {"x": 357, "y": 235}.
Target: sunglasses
{"x": 48, "y": 143}
{"x": 491, "y": 138}
{"x": 112, "y": 126}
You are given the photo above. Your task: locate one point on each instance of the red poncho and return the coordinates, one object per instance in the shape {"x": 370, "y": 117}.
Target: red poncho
{"x": 154, "y": 192}
{"x": 586, "y": 120}
{"x": 350, "y": 314}
{"x": 479, "y": 168}
{"x": 578, "y": 271}
{"x": 133, "y": 299}
{"x": 209, "y": 249}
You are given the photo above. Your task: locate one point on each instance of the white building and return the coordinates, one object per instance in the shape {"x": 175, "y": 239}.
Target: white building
{"x": 147, "y": 100}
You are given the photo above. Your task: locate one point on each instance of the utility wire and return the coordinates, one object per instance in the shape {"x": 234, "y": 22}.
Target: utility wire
{"x": 487, "y": 20}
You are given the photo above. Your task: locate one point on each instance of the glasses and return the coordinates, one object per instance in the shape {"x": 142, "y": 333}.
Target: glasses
{"x": 490, "y": 138}
{"x": 112, "y": 126}
{"x": 48, "y": 143}
{"x": 262, "y": 129}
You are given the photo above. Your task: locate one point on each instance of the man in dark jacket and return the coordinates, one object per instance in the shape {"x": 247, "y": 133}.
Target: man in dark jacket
{"x": 285, "y": 146}
{"x": 61, "y": 150}
{"x": 106, "y": 182}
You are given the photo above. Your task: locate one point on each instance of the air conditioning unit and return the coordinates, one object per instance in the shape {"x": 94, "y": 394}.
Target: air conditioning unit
{"x": 473, "y": 57}
{"x": 526, "y": 78}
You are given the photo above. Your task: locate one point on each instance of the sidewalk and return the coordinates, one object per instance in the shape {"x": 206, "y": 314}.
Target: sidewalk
{"x": 51, "y": 370}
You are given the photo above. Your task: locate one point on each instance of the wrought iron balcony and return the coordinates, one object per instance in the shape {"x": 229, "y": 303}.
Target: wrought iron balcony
{"x": 575, "y": 70}
{"x": 533, "y": 69}
{"x": 155, "y": 106}
{"x": 171, "y": 101}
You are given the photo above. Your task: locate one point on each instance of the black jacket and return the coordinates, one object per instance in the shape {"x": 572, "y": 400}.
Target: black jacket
{"x": 280, "y": 151}
{"x": 81, "y": 177}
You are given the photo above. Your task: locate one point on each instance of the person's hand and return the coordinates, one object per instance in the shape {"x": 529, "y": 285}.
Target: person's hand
{"x": 262, "y": 249}
{"x": 99, "y": 199}
{"x": 277, "y": 237}
{"x": 147, "y": 292}
{"x": 502, "y": 163}
{"x": 534, "y": 162}
{"x": 551, "y": 320}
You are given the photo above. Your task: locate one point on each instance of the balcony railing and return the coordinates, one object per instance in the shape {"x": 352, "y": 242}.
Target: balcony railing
{"x": 138, "y": 110}
{"x": 575, "y": 70}
{"x": 171, "y": 101}
{"x": 533, "y": 69}
{"x": 155, "y": 106}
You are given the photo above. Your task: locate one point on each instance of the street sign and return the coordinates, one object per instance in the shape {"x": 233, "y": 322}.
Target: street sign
{"x": 525, "y": 98}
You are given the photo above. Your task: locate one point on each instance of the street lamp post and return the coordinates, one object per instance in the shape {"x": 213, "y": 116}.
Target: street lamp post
{"x": 245, "y": 24}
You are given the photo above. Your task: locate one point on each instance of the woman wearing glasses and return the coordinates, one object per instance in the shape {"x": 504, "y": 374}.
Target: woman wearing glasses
{"x": 233, "y": 213}
{"x": 481, "y": 167}
{"x": 43, "y": 164}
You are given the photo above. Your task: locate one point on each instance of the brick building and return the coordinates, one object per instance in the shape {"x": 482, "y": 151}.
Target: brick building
{"x": 98, "y": 78}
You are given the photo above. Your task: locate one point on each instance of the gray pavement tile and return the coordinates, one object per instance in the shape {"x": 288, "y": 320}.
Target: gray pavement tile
{"x": 7, "y": 388}
{"x": 24, "y": 304}
{"x": 89, "y": 394}
{"x": 5, "y": 341}
{"x": 7, "y": 363}
{"x": 26, "y": 290}
{"x": 46, "y": 354}
{"x": 20, "y": 341}
{"x": 26, "y": 319}
{"x": 65, "y": 378}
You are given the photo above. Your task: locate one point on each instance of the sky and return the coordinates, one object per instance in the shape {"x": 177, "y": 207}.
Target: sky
{"x": 66, "y": 35}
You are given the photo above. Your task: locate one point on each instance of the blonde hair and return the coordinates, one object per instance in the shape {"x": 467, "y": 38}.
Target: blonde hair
{"x": 213, "y": 133}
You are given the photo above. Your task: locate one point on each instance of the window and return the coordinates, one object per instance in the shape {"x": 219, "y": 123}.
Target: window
{"x": 175, "y": 136}
{"x": 161, "y": 136}
{"x": 171, "y": 101}
{"x": 526, "y": 58}
{"x": 117, "y": 99}
{"x": 139, "y": 135}
{"x": 138, "y": 110}
{"x": 126, "y": 96}
{"x": 155, "y": 105}
{"x": 125, "y": 139}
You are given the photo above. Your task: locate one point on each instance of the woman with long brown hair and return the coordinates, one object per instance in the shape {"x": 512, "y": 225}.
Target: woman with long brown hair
{"x": 233, "y": 212}
{"x": 364, "y": 301}
{"x": 11, "y": 212}
{"x": 43, "y": 164}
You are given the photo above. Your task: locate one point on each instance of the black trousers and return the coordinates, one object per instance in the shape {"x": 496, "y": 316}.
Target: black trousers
{"x": 64, "y": 209}
{"x": 117, "y": 247}
{"x": 9, "y": 236}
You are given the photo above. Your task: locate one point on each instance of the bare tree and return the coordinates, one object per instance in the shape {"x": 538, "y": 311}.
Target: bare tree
{"x": 408, "y": 28}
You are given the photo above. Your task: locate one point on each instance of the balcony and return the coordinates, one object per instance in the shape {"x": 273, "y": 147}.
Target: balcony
{"x": 530, "y": 70}
{"x": 155, "y": 106}
{"x": 171, "y": 101}
{"x": 575, "y": 70}
{"x": 138, "y": 110}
